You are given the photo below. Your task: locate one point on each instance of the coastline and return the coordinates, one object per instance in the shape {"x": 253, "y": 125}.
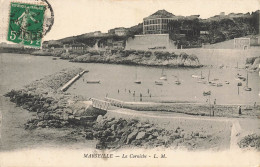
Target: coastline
{"x": 126, "y": 57}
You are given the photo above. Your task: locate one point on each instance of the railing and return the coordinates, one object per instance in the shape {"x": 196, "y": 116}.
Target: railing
{"x": 100, "y": 104}
{"x": 70, "y": 82}
{"x": 115, "y": 102}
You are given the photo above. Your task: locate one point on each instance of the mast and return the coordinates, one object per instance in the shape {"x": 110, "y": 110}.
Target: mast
{"x": 135, "y": 73}
{"x": 162, "y": 72}
{"x": 208, "y": 75}
{"x": 247, "y": 79}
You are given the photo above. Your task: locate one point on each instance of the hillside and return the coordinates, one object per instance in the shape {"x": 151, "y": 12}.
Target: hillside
{"x": 219, "y": 28}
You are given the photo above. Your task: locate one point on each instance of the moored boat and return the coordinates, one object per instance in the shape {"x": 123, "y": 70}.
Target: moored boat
{"x": 206, "y": 93}
{"x": 177, "y": 82}
{"x": 246, "y": 88}
{"x": 219, "y": 84}
{"x": 158, "y": 83}
{"x": 138, "y": 82}
{"x": 226, "y": 82}
{"x": 93, "y": 82}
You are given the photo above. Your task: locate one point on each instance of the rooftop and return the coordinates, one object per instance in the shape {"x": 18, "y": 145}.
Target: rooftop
{"x": 160, "y": 14}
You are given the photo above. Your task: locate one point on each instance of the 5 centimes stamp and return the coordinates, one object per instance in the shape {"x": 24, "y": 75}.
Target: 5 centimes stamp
{"x": 26, "y": 24}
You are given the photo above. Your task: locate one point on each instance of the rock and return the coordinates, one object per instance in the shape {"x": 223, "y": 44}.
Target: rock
{"x": 131, "y": 136}
{"x": 175, "y": 136}
{"x": 196, "y": 134}
{"x": 39, "y": 124}
{"x": 65, "y": 116}
{"x": 139, "y": 125}
{"x": 89, "y": 136}
{"x": 140, "y": 135}
{"x": 155, "y": 134}
{"x": 187, "y": 136}
{"x": 99, "y": 118}
{"x": 113, "y": 127}
{"x": 150, "y": 137}
{"x": 147, "y": 125}
{"x": 150, "y": 130}
{"x": 202, "y": 135}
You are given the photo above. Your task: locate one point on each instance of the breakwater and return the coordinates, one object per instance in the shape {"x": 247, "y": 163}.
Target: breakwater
{"x": 54, "y": 108}
{"x": 70, "y": 82}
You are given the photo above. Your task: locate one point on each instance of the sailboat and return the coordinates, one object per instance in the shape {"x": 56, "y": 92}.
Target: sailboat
{"x": 177, "y": 82}
{"x": 163, "y": 76}
{"x": 136, "y": 80}
{"x": 246, "y": 88}
{"x": 201, "y": 77}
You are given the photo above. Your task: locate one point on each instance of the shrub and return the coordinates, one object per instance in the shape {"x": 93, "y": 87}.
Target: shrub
{"x": 184, "y": 55}
{"x": 251, "y": 60}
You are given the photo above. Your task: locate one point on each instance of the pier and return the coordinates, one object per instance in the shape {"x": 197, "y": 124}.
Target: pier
{"x": 70, "y": 82}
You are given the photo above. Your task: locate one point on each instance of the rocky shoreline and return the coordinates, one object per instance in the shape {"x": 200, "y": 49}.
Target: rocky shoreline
{"x": 129, "y": 57}
{"x": 53, "y": 108}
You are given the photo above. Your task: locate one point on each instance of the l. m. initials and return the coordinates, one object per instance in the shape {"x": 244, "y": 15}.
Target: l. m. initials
{"x": 163, "y": 156}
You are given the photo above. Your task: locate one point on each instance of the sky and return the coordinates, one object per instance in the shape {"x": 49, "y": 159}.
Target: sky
{"x": 75, "y": 17}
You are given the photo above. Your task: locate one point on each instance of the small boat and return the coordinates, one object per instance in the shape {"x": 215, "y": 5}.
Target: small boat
{"x": 177, "y": 82}
{"x": 198, "y": 76}
{"x": 201, "y": 77}
{"x": 247, "y": 88}
{"x": 241, "y": 78}
{"x": 219, "y": 84}
{"x": 136, "y": 80}
{"x": 212, "y": 84}
{"x": 158, "y": 83}
{"x": 194, "y": 76}
{"x": 206, "y": 93}
{"x": 163, "y": 76}
{"x": 239, "y": 84}
{"x": 226, "y": 82}
{"x": 93, "y": 82}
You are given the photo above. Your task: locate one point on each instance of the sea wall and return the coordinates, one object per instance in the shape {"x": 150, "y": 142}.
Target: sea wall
{"x": 219, "y": 57}
{"x": 149, "y": 41}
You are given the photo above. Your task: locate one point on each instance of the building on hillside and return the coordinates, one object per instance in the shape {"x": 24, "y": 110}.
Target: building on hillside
{"x": 97, "y": 33}
{"x": 204, "y": 32}
{"x": 157, "y": 23}
{"x": 78, "y": 46}
{"x": 45, "y": 45}
{"x": 120, "y": 31}
{"x": 118, "y": 44}
{"x": 242, "y": 43}
{"x": 255, "y": 41}
{"x": 150, "y": 42}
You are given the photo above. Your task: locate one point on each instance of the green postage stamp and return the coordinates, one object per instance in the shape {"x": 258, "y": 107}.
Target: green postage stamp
{"x": 26, "y": 24}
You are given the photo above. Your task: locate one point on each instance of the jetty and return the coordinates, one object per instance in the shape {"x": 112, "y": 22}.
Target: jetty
{"x": 70, "y": 82}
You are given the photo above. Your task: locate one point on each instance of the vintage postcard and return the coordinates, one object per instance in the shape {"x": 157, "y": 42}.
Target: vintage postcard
{"x": 129, "y": 83}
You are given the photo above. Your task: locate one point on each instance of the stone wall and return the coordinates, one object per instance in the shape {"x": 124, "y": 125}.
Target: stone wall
{"x": 144, "y": 42}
